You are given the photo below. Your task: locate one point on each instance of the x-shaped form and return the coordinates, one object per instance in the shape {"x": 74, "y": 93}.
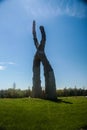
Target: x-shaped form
{"x": 50, "y": 86}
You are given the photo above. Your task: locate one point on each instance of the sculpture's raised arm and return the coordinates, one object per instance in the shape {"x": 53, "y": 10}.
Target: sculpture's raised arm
{"x": 34, "y": 34}
{"x": 43, "y": 34}
{"x": 43, "y": 39}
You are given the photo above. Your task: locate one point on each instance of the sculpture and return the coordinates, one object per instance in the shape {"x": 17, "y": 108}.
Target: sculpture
{"x": 50, "y": 85}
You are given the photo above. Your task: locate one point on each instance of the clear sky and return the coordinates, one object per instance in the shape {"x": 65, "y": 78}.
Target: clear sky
{"x": 65, "y": 23}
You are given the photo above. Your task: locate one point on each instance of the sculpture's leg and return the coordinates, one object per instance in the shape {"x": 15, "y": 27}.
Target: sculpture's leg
{"x": 36, "y": 90}
{"x": 50, "y": 85}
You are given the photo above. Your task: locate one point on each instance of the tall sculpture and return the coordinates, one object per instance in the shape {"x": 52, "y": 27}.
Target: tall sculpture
{"x": 50, "y": 85}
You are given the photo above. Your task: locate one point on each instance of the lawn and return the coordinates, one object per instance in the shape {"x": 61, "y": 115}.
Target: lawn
{"x": 69, "y": 113}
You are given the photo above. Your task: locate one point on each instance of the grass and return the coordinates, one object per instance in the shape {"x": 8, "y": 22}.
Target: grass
{"x": 70, "y": 113}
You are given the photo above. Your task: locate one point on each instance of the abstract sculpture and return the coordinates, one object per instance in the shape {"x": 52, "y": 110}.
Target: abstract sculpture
{"x": 50, "y": 85}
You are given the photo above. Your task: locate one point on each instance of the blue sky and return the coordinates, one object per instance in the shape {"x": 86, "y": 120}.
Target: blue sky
{"x": 65, "y": 23}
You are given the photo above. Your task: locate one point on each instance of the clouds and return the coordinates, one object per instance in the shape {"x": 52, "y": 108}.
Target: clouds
{"x": 4, "y": 65}
{"x": 49, "y": 8}
{"x": 10, "y": 63}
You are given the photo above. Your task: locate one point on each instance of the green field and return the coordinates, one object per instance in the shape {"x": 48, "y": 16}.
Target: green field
{"x": 70, "y": 113}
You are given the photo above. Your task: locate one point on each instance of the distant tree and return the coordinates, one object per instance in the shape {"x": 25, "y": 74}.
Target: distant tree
{"x": 65, "y": 92}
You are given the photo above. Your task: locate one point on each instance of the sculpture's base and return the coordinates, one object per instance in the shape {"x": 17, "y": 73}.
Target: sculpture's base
{"x": 52, "y": 99}
{"x": 36, "y": 92}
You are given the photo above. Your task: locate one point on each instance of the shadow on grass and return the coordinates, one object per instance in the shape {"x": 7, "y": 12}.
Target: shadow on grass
{"x": 59, "y": 101}
{"x": 2, "y": 128}
{"x": 62, "y": 101}
{"x": 83, "y": 128}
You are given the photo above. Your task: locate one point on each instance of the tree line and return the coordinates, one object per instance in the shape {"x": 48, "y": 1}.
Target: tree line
{"x": 15, "y": 93}
{"x": 72, "y": 92}
{"x": 18, "y": 93}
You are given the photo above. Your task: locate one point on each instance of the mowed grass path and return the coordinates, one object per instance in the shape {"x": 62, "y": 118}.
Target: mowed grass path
{"x": 70, "y": 113}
